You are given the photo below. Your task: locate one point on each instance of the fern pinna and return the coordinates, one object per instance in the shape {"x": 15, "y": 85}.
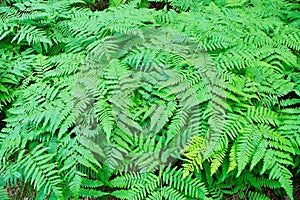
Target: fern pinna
{"x": 193, "y": 100}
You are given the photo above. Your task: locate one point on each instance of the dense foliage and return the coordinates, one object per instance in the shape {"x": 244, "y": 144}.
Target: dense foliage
{"x": 163, "y": 99}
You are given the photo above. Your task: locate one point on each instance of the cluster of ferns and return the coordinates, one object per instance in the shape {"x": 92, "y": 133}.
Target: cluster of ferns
{"x": 196, "y": 99}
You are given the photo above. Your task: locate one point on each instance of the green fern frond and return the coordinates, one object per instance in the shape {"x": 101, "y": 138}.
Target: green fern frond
{"x": 256, "y": 195}
{"x": 32, "y": 35}
{"x": 92, "y": 193}
{"x": 192, "y": 188}
{"x": 40, "y": 172}
{"x": 262, "y": 115}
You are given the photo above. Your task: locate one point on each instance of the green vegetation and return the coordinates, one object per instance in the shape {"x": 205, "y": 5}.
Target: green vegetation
{"x": 163, "y": 99}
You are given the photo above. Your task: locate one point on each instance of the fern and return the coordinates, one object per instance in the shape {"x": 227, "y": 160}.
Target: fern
{"x": 147, "y": 185}
{"x": 190, "y": 100}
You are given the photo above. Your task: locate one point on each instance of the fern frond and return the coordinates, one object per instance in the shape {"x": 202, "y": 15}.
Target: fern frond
{"x": 191, "y": 187}
{"x": 256, "y": 195}
{"x": 40, "y": 172}
{"x": 262, "y": 115}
